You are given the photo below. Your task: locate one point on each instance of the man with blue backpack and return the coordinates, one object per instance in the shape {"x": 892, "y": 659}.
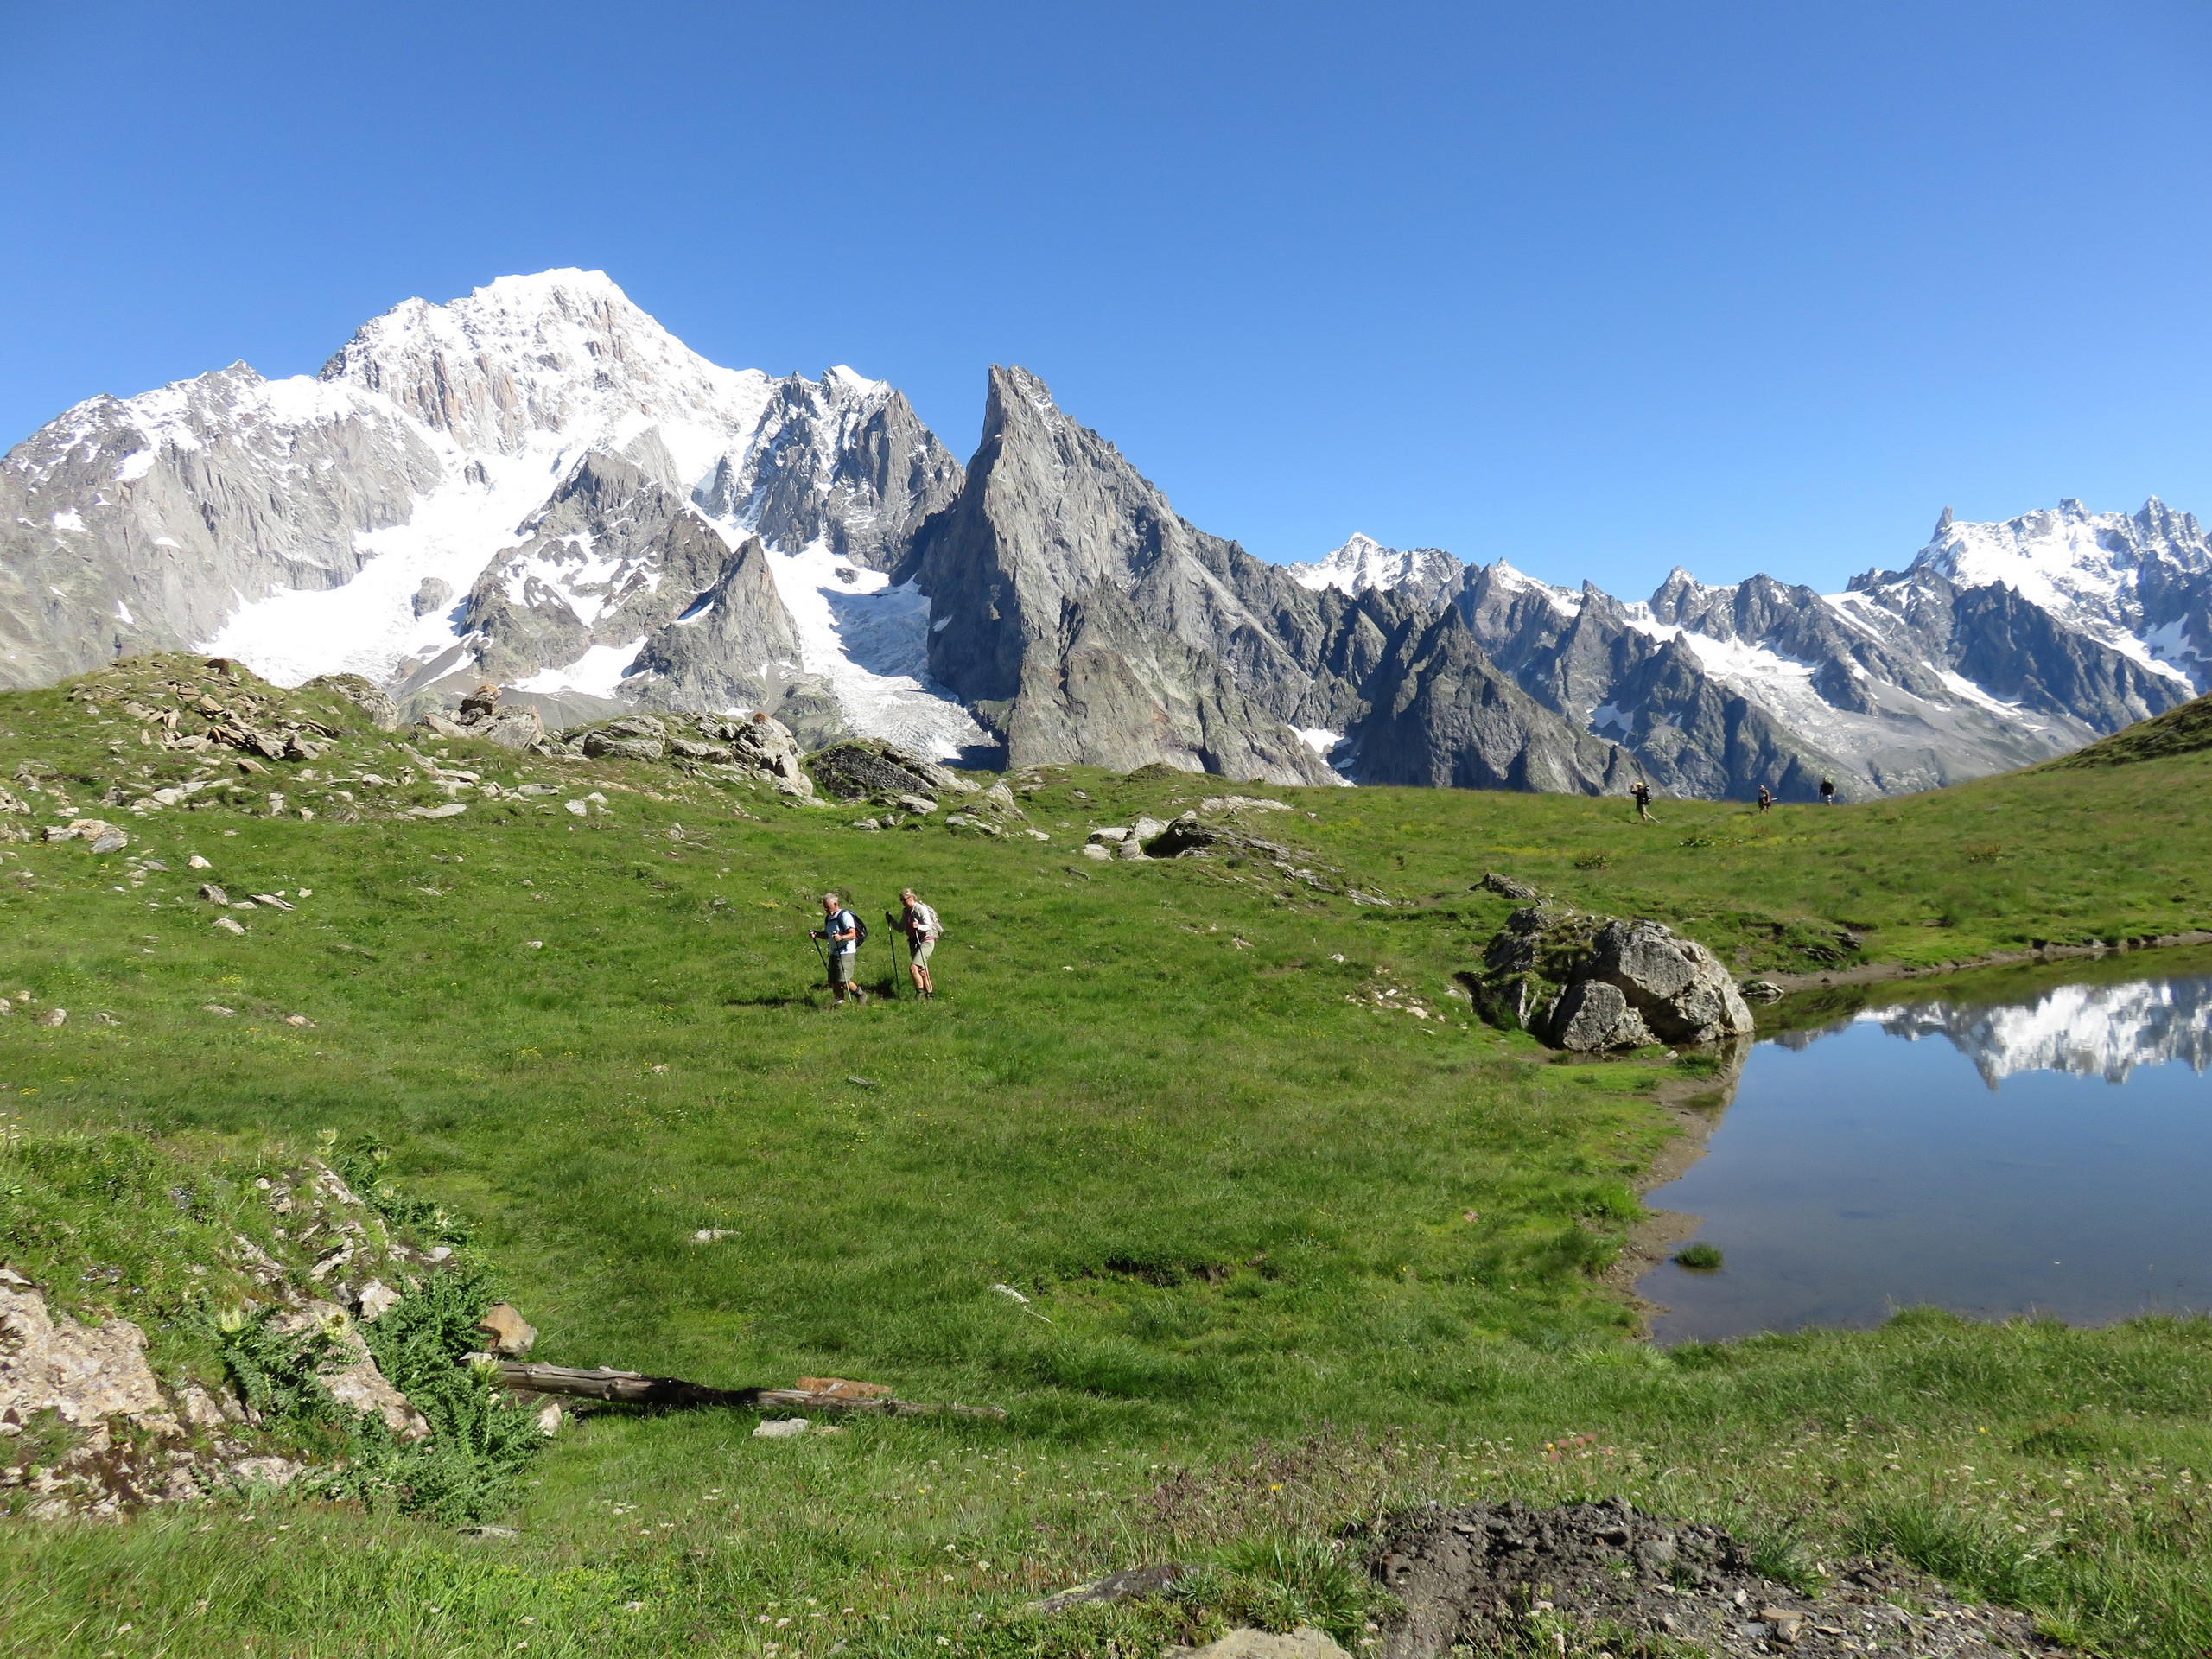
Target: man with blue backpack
{"x": 843, "y": 933}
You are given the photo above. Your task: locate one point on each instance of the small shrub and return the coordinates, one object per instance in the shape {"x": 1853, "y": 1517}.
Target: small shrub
{"x": 1983, "y": 852}
{"x": 1592, "y": 860}
{"x": 1700, "y": 1258}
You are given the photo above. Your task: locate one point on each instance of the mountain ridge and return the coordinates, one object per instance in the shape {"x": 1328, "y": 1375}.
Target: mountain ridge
{"x": 537, "y": 483}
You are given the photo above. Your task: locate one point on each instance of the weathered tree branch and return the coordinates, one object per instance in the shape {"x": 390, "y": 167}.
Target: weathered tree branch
{"x": 635, "y": 1387}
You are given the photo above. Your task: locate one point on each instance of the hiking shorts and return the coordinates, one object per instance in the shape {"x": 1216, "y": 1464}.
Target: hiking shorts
{"x": 840, "y": 966}
{"x": 921, "y": 951}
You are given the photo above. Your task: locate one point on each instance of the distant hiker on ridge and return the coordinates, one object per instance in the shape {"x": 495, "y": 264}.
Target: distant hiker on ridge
{"x": 922, "y": 929}
{"x": 1642, "y": 794}
{"x": 1828, "y": 791}
{"x": 841, "y": 929}
{"x": 1766, "y": 799}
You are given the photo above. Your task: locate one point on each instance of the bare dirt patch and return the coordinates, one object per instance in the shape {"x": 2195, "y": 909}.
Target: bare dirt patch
{"x": 1587, "y": 1577}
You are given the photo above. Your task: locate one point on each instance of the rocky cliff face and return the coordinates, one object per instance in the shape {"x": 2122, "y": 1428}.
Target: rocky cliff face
{"x": 1084, "y": 620}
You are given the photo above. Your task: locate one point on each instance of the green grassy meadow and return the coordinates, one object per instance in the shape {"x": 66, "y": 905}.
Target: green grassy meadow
{"x": 1293, "y": 1255}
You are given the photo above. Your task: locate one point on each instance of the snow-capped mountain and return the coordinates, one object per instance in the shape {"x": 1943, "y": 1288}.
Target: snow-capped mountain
{"x": 1425, "y": 573}
{"x": 2000, "y": 645}
{"x": 534, "y": 482}
{"x": 538, "y": 484}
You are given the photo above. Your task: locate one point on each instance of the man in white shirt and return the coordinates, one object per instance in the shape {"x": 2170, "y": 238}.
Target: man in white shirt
{"x": 923, "y": 929}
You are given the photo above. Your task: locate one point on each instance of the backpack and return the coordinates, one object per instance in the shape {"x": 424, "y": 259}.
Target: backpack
{"x": 860, "y": 928}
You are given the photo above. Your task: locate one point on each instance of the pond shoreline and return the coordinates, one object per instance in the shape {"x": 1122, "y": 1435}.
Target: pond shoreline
{"x": 1878, "y": 973}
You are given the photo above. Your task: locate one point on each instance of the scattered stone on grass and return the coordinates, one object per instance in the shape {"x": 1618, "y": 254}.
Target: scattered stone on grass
{"x": 511, "y": 1334}
{"x": 1129, "y": 1585}
{"x": 780, "y": 1429}
{"x": 1304, "y": 1642}
{"x": 53, "y": 1017}
{"x": 1509, "y": 1578}
{"x": 229, "y": 925}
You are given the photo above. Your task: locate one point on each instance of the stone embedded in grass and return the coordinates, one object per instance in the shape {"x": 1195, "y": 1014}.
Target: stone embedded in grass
{"x": 783, "y": 1428}
{"x": 228, "y": 925}
{"x": 55, "y": 1017}
{"x": 577, "y": 807}
{"x": 213, "y": 894}
{"x": 1304, "y": 1642}
{"x": 511, "y": 1334}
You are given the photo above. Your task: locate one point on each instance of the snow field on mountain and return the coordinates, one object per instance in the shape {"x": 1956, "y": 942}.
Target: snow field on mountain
{"x": 870, "y": 640}
{"x": 368, "y": 626}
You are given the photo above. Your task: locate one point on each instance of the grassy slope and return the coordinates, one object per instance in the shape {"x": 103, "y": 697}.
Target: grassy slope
{"x": 1239, "y": 1191}
{"x": 2185, "y": 730}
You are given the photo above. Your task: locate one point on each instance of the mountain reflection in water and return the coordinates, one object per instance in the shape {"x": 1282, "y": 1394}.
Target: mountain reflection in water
{"x": 2051, "y": 1156}
{"x": 2088, "y": 1031}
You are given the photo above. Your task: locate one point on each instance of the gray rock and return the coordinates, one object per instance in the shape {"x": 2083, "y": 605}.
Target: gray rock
{"x": 1131, "y": 848}
{"x": 213, "y": 894}
{"x": 435, "y": 594}
{"x": 450, "y": 810}
{"x": 83, "y": 1374}
{"x": 228, "y": 925}
{"x": 1145, "y": 827}
{"x": 1095, "y": 849}
{"x": 1506, "y": 887}
{"x": 351, "y": 1374}
{"x": 266, "y": 1471}
{"x": 1593, "y": 982}
{"x": 1592, "y": 1014}
{"x": 1129, "y": 1585}
{"x": 1679, "y": 987}
{"x": 381, "y": 711}
{"x": 783, "y": 1428}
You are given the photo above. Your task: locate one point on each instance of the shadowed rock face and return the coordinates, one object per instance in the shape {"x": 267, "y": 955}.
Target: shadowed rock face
{"x": 1445, "y": 715}
{"x": 1087, "y": 621}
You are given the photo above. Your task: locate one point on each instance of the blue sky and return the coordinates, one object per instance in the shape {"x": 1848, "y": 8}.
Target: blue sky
{"x": 1598, "y": 288}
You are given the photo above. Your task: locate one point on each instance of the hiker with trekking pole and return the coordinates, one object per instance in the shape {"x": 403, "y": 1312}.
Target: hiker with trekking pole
{"x": 842, "y": 932}
{"x": 922, "y": 929}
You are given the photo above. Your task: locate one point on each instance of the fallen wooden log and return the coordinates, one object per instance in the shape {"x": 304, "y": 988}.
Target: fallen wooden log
{"x": 635, "y": 1387}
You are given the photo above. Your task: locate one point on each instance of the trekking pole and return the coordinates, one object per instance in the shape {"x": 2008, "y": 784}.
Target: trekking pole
{"x": 820, "y": 957}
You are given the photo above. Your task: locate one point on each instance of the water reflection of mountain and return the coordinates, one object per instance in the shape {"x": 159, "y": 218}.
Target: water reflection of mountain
{"x": 2089, "y": 1030}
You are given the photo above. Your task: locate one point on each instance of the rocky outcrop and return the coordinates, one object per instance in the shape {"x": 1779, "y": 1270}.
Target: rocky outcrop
{"x": 483, "y": 719}
{"x": 349, "y": 1373}
{"x": 383, "y": 713}
{"x": 83, "y": 1374}
{"x": 1586, "y": 983}
{"x": 869, "y": 770}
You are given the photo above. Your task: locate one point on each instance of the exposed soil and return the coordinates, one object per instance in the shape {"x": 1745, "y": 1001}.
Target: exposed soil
{"x": 1606, "y": 1577}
